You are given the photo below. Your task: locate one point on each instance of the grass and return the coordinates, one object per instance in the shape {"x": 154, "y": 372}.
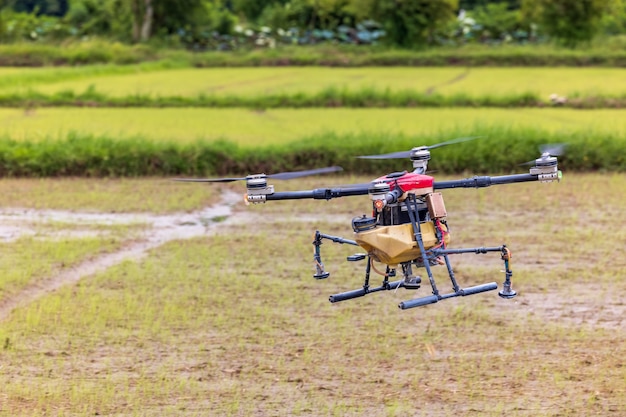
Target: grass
{"x": 234, "y": 324}
{"x": 113, "y": 195}
{"x": 73, "y": 53}
{"x": 42, "y": 256}
{"x": 251, "y": 128}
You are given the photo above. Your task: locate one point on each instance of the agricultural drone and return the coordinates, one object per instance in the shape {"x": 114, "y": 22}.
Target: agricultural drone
{"x": 408, "y": 226}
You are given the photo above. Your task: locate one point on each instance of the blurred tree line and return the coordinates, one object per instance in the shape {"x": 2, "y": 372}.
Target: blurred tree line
{"x": 229, "y": 24}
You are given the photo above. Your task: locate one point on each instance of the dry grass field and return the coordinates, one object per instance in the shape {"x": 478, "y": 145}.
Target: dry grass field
{"x": 228, "y": 320}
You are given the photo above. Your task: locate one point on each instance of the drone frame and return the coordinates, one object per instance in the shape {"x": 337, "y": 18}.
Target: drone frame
{"x": 545, "y": 170}
{"x": 415, "y": 194}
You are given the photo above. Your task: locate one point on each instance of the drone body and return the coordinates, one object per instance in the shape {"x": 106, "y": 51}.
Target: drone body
{"x": 388, "y": 235}
{"x": 408, "y": 226}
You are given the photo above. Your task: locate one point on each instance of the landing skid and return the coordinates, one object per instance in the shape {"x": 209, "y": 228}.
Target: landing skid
{"x": 436, "y": 296}
{"x": 428, "y": 257}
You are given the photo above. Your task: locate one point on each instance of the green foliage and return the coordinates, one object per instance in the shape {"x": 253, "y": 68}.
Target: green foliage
{"x": 15, "y": 27}
{"x": 209, "y": 24}
{"x": 303, "y": 14}
{"x": 84, "y": 18}
{"x": 295, "y": 14}
{"x": 497, "y": 21}
{"x": 569, "y": 22}
{"x": 105, "y": 18}
{"x": 413, "y": 22}
{"x": 172, "y": 15}
{"x": 41, "y": 7}
{"x": 198, "y": 29}
{"x": 614, "y": 20}
{"x": 82, "y": 53}
{"x": 252, "y": 9}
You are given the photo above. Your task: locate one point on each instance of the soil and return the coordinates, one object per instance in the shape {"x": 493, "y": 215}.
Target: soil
{"x": 586, "y": 304}
{"x": 158, "y": 230}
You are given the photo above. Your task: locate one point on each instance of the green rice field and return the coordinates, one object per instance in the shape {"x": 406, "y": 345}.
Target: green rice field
{"x": 252, "y": 128}
{"x": 188, "y": 82}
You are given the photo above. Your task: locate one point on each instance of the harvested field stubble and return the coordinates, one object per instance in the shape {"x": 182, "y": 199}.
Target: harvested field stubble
{"x": 234, "y": 324}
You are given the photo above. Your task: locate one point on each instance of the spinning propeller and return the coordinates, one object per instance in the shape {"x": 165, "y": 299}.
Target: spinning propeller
{"x": 257, "y": 186}
{"x": 548, "y": 154}
{"x": 420, "y": 155}
{"x": 278, "y": 176}
{"x": 413, "y": 152}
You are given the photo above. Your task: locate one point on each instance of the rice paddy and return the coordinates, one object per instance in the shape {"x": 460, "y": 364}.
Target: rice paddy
{"x": 254, "y": 128}
{"x": 189, "y": 82}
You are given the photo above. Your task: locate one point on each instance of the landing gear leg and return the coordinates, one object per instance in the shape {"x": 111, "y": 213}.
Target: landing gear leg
{"x": 507, "y": 286}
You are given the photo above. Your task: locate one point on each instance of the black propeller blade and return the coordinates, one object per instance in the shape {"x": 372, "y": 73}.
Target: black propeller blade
{"x": 407, "y": 154}
{"x": 278, "y": 176}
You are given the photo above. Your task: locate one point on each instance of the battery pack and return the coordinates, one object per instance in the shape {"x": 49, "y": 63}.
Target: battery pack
{"x": 436, "y": 207}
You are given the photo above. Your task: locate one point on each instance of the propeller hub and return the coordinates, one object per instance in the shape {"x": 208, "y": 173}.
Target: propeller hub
{"x": 254, "y": 182}
{"x": 546, "y": 161}
{"x": 257, "y": 188}
{"x": 546, "y": 169}
{"x": 420, "y": 157}
{"x": 420, "y": 154}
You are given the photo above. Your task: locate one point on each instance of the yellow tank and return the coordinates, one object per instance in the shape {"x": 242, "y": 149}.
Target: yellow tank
{"x": 392, "y": 245}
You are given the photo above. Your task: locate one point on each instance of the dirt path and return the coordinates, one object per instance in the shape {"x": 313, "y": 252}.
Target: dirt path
{"x": 433, "y": 88}
{"x": 159, "y": 230}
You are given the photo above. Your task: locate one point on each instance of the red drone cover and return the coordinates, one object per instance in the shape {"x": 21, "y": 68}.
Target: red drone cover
{"x": 407, "y": 181}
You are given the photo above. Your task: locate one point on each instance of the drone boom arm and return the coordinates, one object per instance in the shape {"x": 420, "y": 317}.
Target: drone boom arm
{"x": 317, "y": 194}
{"x": 330, "y": 193}
{"x": 486, "y": 181}
{"x": 259, "y": 192}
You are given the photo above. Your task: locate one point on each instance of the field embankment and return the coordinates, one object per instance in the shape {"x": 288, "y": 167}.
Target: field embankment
{"x": 102, "y": 52}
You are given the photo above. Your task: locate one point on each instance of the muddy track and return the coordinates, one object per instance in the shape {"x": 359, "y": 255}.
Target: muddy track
{"x": 158, "y": 231}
